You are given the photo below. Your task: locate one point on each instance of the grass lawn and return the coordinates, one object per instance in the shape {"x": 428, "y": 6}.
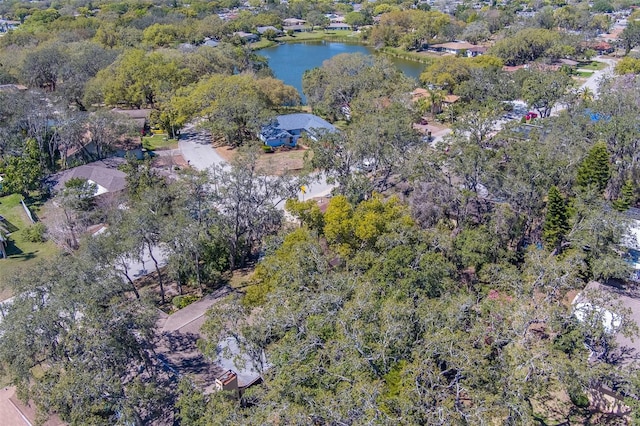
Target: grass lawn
{"x": 262, "y": 44}
{"x": 593, "y": 65}
{"x": 159, "y": 142}
{"x": 20, "y": 251}
{"x": 586, "y": 74}
{"x": 282, "y": 161}
{"x": 318, "y": 35}
{"x": 422, "y": 57}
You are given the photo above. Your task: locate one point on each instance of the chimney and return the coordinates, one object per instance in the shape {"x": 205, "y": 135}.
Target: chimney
{"x": 228, "y": 381}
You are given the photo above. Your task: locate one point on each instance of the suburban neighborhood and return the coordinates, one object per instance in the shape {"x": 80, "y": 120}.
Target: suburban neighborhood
{"x": 319, "y": 212}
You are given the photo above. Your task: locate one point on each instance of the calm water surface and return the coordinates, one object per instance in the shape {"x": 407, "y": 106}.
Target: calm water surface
{"x": 289, "y": 61}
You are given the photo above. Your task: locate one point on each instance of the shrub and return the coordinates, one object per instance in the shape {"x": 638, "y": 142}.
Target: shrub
{"x": 183, "y": 301}
{"x": 35, "y": 233}
{"x": 267, "y": 149}
{"x": 579, "y": 399}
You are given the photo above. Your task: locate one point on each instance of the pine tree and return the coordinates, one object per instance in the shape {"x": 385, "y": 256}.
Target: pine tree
{"x": 626, "y": 198}
{"x": 595, "y": 169}
{"x": 556, "y": 223}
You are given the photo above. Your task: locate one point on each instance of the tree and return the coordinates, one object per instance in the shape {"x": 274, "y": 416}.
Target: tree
{"x": 526, "y": 45}
{"x": 556, "y": 221}
{"x": 42, "y": 67}
{"x": 234, "y": 108}
{"x": 317, "y": 19}
{"x": 476, "y": 32}
{"x": 137, "y": 78}
{"x": 23, "y": 174}
{"x": 595, "y": 170}
{"x": 344, "y": 77}
{"x": 76, "y": 199}
{"x": 246, "y": 200}
{"x": 83, "y": 61}
{"x": 355, "y": 19}
{"x": 628, "y": 65}
{"x": 627, "y": 197}
{"x": 631, "y": 35}
{"x": 542, "y": 90}
{"x": 145, "y": 224}
{"x": 72, "y": 321}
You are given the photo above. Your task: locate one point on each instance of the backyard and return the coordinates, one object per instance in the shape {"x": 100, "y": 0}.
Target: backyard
{"x": 159, "y": 142}
{"x": 21, "y": 252}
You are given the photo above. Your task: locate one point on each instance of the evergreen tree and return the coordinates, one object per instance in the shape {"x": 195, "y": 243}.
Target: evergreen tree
{"x": 626, "y": 198}
{"x": 556, "y": 222}
{"x": 595, "y": 169}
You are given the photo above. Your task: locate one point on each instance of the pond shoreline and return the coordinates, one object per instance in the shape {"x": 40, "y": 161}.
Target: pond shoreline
{"x": 357, "y": 41}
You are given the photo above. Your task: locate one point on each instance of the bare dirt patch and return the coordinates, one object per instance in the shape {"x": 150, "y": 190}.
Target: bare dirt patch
{"x": 282, "y": 161}
{"x": 225, "y": 152}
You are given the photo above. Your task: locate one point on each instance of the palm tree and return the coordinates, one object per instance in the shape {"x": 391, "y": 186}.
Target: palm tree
{"x": 436, "y": 97}
{"x": 586, "y": 94}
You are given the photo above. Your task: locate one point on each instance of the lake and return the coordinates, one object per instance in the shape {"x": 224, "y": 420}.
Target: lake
{"x": 290, "y": 60}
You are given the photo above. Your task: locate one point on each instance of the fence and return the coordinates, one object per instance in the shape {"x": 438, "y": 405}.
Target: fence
{"x": 27, "y": 211}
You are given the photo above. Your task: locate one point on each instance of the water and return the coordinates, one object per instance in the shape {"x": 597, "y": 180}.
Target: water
{"x": 289, "y": 61}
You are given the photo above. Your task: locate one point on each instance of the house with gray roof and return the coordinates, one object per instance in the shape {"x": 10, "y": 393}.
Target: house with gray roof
{"x": 338, "y": 26}
{"x": 104, "y": 174}
{"x": 285, "y": 130}
{"x": 262, "y": 30}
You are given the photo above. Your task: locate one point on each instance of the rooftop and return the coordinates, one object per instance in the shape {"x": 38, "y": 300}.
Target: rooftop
{"x": 103, "y": 173}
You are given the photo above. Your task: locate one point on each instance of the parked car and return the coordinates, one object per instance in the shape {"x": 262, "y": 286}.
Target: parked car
{"x": 530, "y": 116}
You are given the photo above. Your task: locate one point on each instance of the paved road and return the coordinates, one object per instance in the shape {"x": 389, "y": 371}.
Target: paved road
{"x": 594, "y": 81}
{"x": 195, "y": 146}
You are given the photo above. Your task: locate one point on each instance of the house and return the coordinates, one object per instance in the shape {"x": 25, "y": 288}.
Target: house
{"x": 338, "y": 26}
{"x": 104, "y": 174}
{"x": 287, "y": 129}
{"x": 293, "y": 21}
{"x": 210, "y": 42}
{"x": 232, "y": 370}
{"x": 631, "y": 243}
{"x": 601, "y": 47}
{"x": 8, "y": 25}
{"x": 296, "y": 28}
{"x": 12, "y": 88}
{"x": 247, "y": 37}
{"x": 459, "y": 48}
{"x": 140, "y": 117}
{"x": 262, "y": 30}
{"x": 419, "y": 93}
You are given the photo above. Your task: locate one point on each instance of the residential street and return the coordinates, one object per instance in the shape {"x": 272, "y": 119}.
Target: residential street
{"x": 196, "y": 148}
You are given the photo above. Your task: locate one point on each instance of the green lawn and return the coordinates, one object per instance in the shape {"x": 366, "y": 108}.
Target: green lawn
{"x": 318, "y": 35}
{"x": 159, "y": 142}
{"x": 593, "y": 65}
{"x": 21, "y": 252}
{"x": 262, "y": 44}
{"x": 586, "y": 74}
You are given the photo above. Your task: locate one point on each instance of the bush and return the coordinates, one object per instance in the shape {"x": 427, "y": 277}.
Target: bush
{"x": 183, "y": 301}
{"x": 267, "y": 149}
{"x": 579, "y": 399}
{"x": 35, "y": 233}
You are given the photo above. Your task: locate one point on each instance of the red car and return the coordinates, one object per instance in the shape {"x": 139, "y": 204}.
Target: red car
{"x": 530, "y": 116}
